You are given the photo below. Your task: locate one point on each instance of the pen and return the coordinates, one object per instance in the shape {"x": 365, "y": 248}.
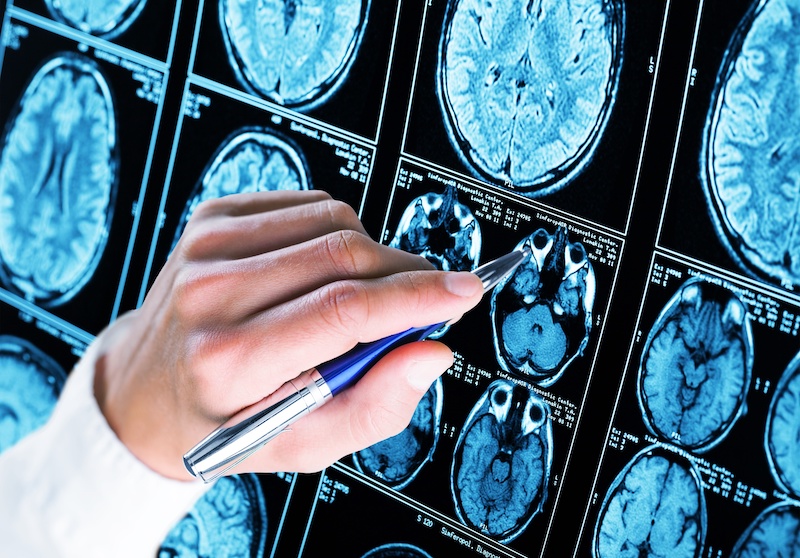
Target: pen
{"x": 250, "y": 429}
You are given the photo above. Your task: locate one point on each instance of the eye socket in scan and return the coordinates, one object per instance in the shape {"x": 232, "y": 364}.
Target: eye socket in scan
{"x": 293, "y": 53}
{"x": 526, "y": 90}
{"x": 501, "y": 463}
{"x": 106, "y": 19}
{"x": 772, "y": 533}
{"x": 783, "y": 430}
{"x": 58, "y": 181}
{"x": 750, "y": 157}
{"x": 542, "y": 313}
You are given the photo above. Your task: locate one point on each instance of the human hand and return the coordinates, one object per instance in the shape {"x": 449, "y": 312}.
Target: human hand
{"x": 260, "y": 288}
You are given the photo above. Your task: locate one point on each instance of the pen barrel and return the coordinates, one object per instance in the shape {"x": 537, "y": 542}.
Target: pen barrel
{"x": 251, "y": 428}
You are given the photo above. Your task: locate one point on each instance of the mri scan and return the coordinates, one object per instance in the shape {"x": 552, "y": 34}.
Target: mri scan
{"x": 501, "y": 464}
{"x": 30, "y": 383}
{"x": 750, "y": 161}
{"x": 655, "y": 507}
{"x": 98, "y": 17}
{"x": 295, "y": 53}
{"x": 775, "y": 532}
{"x": 526, "y": 89}
{"x": 783, "y": 430}
{"x": 397, "y": 550}
{"x": 58, "y": 179}
{"x": 542, "y": 313}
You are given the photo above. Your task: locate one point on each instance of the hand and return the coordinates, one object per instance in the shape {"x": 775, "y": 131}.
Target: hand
{"x": 260, "y": 288}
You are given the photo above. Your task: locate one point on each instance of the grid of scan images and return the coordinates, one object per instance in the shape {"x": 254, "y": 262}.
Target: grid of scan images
{"x": 632, "y": 389}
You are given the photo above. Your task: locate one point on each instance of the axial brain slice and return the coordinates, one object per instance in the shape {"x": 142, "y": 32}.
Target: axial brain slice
{"x": 526, "y": 89}
{"x": 58, "y": 173}
{"x": 501, "y": 464}
{"x": 293, "y": 52}
{"x": 783, "y": 430}
{"x": 775, "y": 532}
{"x": 98, "y": 17}
{"x": 696, "y": 366}
{"x": 751, "y": 155}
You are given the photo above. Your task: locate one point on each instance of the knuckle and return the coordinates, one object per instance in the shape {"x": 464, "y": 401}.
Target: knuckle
{"x": 339, "y": 214}
{"x": 193, "y": 293}
{"x": 344, "y": 306}
{"x": 348, "y": 252}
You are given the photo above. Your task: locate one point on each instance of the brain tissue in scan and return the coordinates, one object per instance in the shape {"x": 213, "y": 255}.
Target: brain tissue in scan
{"x": 501, "y": 464}
{"x": 655, "y": 507}
{"x": 750, "y": 160}
{"x": 696, "y": 366}
{"x": 296, "y": 53}
{"x": 58, "y": 176}
{"x": 30, "y": 383}
{"x": 783, "y": 430}
{"x": 397, "y": 550}
{"x": 396, "y": 461}
{"x": 775, "y": 532}
{"x": 542, "y": 313}
{"x": 249, "y": 160}
{"x": 526, "y": 88}
{"x": 229, "y": 520}
{"x": 105, "y": 18}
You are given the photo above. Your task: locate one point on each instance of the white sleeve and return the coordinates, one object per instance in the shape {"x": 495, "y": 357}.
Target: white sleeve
{"x": 73, "y": 489}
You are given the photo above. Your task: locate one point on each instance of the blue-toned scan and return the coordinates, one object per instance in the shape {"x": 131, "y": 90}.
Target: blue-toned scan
{"x": 296, "y": 53}
{"x": 30, "y": 383}
{"x": 696, "y": 365}
{"x": 542, "y": 313}
{"x": 229, "y": 520}
{"x": 396, "y": 550}
{"x": 526, "y": 88}
{"x": 750, "y": 161}
{"x": 58, "y": 176}
{"x": 106, "y": 18}
{"x": 655, "y": 507}
{"x": 502, "y": 459}
{"x": 397, "y": 460}
{"x": 783, "y": 430}
{"x": 775, "y": 532}
{"x": 249, "y": 160}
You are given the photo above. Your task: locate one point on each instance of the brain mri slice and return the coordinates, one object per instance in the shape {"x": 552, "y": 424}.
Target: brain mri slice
{"x": 542, "y": 313}
{"x": 750, "y": 159}
{"x": 654, "y": 508}
{"x": 296, "y": 53}
{"x": 229, "y": 520}
{"x": 58, "y": 179}
{"x": 501, "y": 463}
{"x": 526, "y": 89}
{"x": 775, "y": 532}
{"x": 105, "y": 18}
{"x": 30, "y": 383}
{"x": 396, "y": 461}
{"x": 783, "y": 430}
{"x": 396, "y": 550}
{"x": 696, "y": 366}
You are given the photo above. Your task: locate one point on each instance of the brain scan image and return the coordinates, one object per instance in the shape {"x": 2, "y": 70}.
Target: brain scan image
{"x": 775, "y": 532}
{"x": 105, "y": 18}
{"x": 229, "y": 520}
{"x": 655, "y": 507}
{"x": 58, "y": 177}
{"x": 396, "y": 461}
{"x": 526, "y": 89}
{"x": 250, "y": 160}
{"x": 293, "y": 52}
{"x": 783, "y": 430}
{"x": 501, "y": 463}
{"x": 696, "y": 366}
{"x": 30, "y": 383}
{"x": 542, "y": 313}
{"x": 750, "y": 160}
{"x": 397, "y": 550}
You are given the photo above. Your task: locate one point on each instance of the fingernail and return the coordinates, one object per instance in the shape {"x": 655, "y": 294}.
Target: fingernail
{"x": 424, "y": 373}
{"x": 463, "y": 283}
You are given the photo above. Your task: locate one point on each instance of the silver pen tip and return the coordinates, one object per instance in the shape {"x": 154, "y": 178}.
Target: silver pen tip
{"x": 493, "y": 272}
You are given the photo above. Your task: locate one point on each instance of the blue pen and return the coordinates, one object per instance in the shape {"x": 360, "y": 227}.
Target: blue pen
{"x": 249, "y": 430}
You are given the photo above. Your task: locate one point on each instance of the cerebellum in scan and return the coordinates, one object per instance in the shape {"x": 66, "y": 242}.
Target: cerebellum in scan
{"x": 58, "y": 179}
{"x": 775, "y": 532}
{"x": 750, "y": 158}
{"x": 501, "y": 463}
{"x": 105, "y": 18}
{"x": 526, "y": 89}
{"x": 696, "y": 366}
{"x": 655, "y": 507}
{"x": 542, "y": 313}
{"x": 783, "y": 430}
{"x": 229, "y": 520}
{"x": 249, "y": 160}
{"x": 398, "y": 460}
{"x": 296, "y": 53}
